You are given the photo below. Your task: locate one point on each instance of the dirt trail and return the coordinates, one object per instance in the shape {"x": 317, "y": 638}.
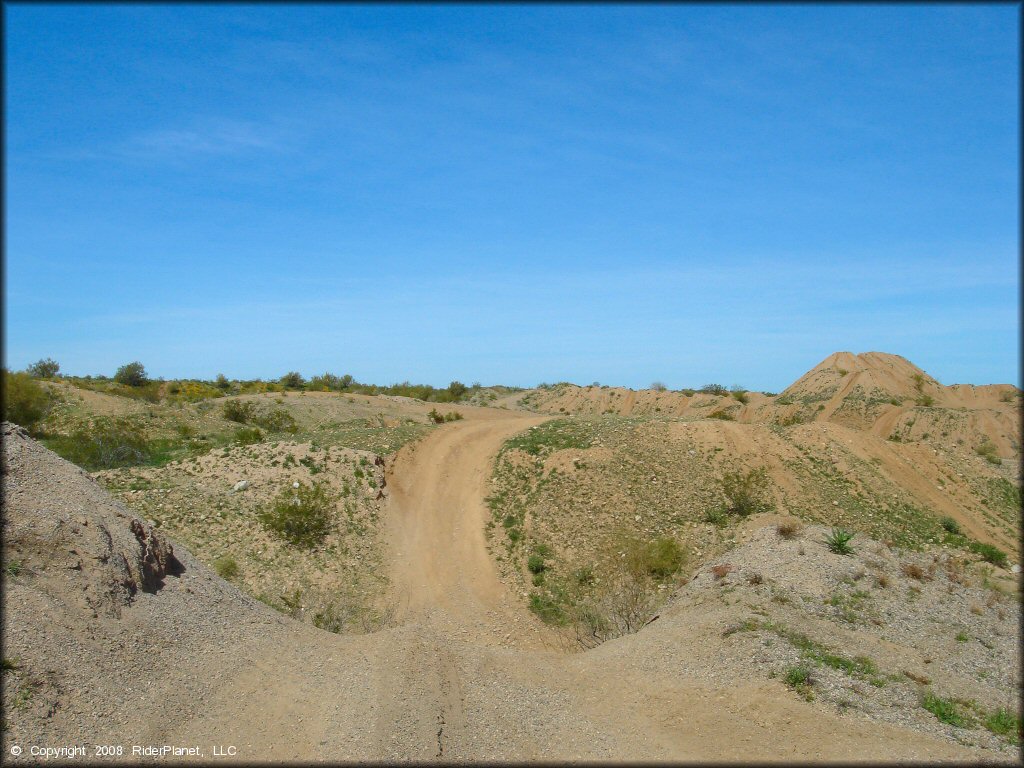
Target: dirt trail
{"x": 470, "y": 674}
{"x": 441, "y": 569}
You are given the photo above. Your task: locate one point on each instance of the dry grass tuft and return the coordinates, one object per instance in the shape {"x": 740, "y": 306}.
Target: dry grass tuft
{"x": 913, "y": 571}
{"x": 721, "y": 571}
{"x": 790, "y": 529}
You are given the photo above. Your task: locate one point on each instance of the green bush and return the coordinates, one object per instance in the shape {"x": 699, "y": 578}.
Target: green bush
{"x": 43, "y": 369}
{"x": 950, "y": 525}
{"x": 104, "y": 444}
{"x": 747, "y": 493}
{"x": 800, "y": 680}
{"x": 277, "y": 420}
{"x": 435, "y": 416}
{"x": 300, "y": 515}
{"x": 248, "y": 436}
{"x": 25, "y": 402}
{"x": 1003, "y": 722}
{"x": 226, "y": 567}
{"x": 946, "y": 711}
{"x": 987, "y": 451}
{"x": 548, "y": 608}
{"x": 131, "y": 375}
{"x": 239, "y": 411}
{"x": 221, "y": 382}
{"x": 535, "y": 564}
{"x": 453, "y": 416}
{"x": 292, "y": 380}
{"x": 989, "y": 553}
{"x": 839, "y": 541}
{"x": 662, "y": 557}
{"x": 456, "y": 390}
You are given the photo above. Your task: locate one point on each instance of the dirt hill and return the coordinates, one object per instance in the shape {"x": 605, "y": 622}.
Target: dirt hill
{"x": 114, "y": 634}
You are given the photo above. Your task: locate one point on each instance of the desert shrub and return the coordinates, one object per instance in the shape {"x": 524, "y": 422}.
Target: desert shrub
{"x": 239, "y": 411}
{"x": 721, "y": 414}
{"x": 453, "y": 416}
{"x": 658, "y": 386}
{"x": 926, "y": 401}
{"x": 660, "y": 558}
{"x": 43, "y": 369}
{"x": 740, "y": 394}
{"x": 584, "y": 576}
{"x": 104, "y": 444}
{"x": 221, "y": 382}
{"x": 987, "y": 451}
{"x": 713, "y": 389}
{"x": 535, "y": 564}
{"x": 989, "y": 553}
{"x": 226, "y": 567}
{"x": 248, "y": 436}
{"x": 300, "y": 515}
{"x": 24, "y": 401}
{"x": 292, "y": 380}
{"x": 914, "y": 571}
{"x": 746, "y": 493}
{"x": 276, "y": 420}
{"x": 329, "y": 382}
{"x": 548, "y": 608}
{"x": 950, "y": 525}
{"x": 800, "y": 680}
{"x": 789, "y": 529}
{"x": 131, "y": 375}
{"x": 716, "y": 516}
{"x": 945, "y": 710}
{"x": 792, "y": 420}
{"x": 456, "y": 390}
{"x": 435, "y": 416}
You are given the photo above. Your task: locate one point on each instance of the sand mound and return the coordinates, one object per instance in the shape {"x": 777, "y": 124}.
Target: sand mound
{"x": 103, "y": 615}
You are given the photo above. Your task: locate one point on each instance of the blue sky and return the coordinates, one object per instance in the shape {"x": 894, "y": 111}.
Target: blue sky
{"x": 512, "y": 194}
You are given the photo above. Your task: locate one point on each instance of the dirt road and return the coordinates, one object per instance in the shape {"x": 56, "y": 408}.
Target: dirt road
{"x": 470, "y": 674}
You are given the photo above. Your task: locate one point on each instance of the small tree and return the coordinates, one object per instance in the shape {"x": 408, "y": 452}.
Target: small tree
{"x": 221, "y": 382}
{"x": 714, "y": 389}
{"x": 658, "y": 386}
{"x": 293, "y": 380}
{"x": 132, "y": 375}
{"x": 44, "y": 369}
{"x": 456, "y": 389}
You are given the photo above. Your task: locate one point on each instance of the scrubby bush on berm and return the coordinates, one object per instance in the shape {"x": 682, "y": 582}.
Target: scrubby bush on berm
{"x": 132, "y": 375}
{"x": 301, "y": 515}
{"x": 104, "y": 444}
{"x": 25, "y": 402}
{"x": 43, "y": 369}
